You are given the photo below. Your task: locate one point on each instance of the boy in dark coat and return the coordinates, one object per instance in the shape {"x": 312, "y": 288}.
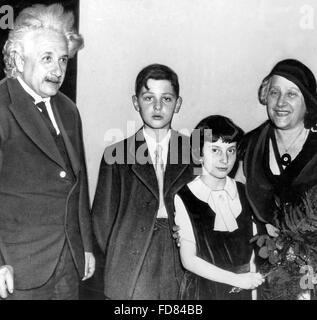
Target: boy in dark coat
{"x": 133, "y": 208}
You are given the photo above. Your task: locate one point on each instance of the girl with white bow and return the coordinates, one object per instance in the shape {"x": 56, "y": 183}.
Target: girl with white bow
{"x": 215, "y": 220}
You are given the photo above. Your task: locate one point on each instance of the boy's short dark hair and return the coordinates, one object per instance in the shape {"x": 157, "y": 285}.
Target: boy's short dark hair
{"x": 214, "y": 128}
{"x": 156, "y": 72}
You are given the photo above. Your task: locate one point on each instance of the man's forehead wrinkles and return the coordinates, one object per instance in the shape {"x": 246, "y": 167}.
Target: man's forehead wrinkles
{"x": 50, "y": 47}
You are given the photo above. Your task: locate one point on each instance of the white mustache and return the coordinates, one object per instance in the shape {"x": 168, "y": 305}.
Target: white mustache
{"x": 53, "y": 79}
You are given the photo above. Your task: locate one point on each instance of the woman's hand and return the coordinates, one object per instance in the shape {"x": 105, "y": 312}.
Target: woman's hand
{"x": 249, "y": 280}
{"x": 271, "y": 230}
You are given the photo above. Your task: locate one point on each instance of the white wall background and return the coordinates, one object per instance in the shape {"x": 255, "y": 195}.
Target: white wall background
{"x": 221, "y": 50}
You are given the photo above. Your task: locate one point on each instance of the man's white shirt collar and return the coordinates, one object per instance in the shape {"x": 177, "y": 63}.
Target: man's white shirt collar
{"x": 37, "y": 99}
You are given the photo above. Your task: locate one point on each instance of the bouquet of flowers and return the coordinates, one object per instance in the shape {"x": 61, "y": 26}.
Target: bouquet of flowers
{"x": 290, "y": 259}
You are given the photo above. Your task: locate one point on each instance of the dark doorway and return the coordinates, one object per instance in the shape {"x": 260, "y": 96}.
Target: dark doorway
{"x": 69, "y": 85}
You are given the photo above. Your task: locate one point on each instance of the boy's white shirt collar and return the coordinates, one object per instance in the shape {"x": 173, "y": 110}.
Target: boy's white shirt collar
{"x": 37, "y": 98}
{"x": 225, "y": 203}
{"x": 152, "y": 145}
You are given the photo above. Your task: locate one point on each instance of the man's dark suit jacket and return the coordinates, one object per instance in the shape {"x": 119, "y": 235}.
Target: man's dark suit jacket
{"x": 40, "y": 207}
{"x": 126, "y": 203}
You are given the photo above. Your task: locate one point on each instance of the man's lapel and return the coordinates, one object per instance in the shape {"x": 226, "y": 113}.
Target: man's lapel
{"x": 63, "y": 121}
{"x": 31, "y": 122}
{"x": 142, "y": 164}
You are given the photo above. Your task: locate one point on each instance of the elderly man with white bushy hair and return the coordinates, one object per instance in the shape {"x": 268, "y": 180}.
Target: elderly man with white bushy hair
{"x": 45, "y": 223}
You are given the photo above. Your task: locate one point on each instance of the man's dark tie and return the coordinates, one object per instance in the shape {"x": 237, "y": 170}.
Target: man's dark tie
{"x": 46, "y": 117}
{"x": 57, "y": 137}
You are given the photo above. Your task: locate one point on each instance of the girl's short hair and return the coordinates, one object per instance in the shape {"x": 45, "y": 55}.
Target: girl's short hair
{"x": 212, "y": 129}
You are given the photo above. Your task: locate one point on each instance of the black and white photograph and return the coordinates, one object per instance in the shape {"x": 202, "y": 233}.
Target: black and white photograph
{"x": 158, "y": 154}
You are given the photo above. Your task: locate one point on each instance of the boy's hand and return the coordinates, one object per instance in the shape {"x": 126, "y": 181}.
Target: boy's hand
{"x": 6, "y": 281}
{"x": 176, "y": 235}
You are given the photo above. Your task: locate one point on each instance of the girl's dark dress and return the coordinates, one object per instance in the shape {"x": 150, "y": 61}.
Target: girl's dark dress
{"x": 227, "y": 250}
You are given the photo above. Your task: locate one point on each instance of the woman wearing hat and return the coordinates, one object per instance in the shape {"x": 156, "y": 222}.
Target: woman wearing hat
{"x": 280, "y": 156}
